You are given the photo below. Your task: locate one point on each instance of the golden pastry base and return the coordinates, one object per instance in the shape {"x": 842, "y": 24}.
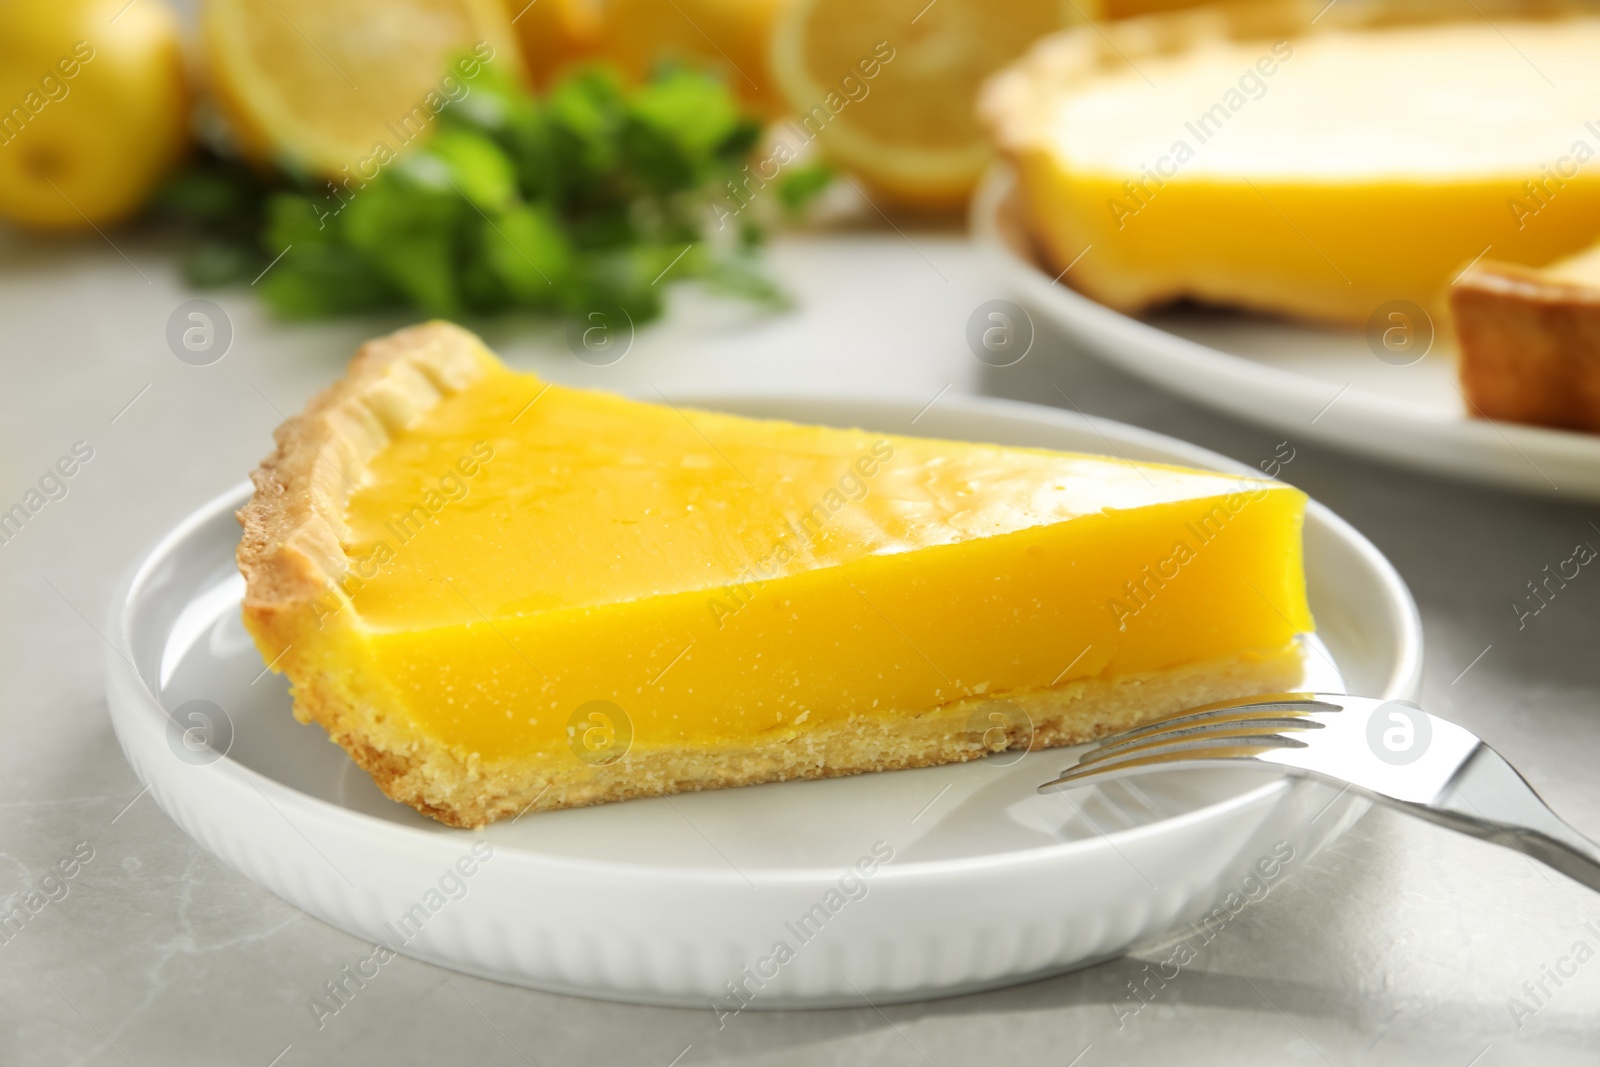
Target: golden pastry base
{"x": 479, "y": 790}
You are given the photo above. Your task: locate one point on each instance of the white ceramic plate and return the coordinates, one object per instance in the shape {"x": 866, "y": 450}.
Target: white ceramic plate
{"x": 669, "y": 900}
{"x": 1320, "y": 383}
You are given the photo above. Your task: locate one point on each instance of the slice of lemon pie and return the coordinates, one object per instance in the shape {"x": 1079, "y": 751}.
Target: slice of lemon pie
{"x": 501, "y": 594}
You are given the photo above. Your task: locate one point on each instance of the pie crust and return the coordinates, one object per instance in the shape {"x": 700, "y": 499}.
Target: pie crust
{"x": 1530, "y": 346}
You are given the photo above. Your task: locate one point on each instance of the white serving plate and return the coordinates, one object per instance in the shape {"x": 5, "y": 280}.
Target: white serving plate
{"x": 665, "y": 900}
{"x": 1312, "y": 382}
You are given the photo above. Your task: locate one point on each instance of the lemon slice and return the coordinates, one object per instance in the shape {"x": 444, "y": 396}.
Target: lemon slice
{"x": 324, "y": 83}
{"x": 889, "y": 85}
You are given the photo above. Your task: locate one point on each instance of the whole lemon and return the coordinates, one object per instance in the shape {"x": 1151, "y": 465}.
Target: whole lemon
{"x": 93, "y": 109}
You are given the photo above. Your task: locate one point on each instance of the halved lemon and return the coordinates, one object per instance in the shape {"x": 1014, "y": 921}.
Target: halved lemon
{"x": 728, "y": 37}
{"x": 889, "y": 86}
{"x": 556, "y": 33}
{"x": 324, "y": 83}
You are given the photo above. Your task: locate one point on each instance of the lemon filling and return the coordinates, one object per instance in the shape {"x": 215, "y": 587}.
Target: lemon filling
{"x": 528, "y": 550}
{"x": 1323, "y": 175}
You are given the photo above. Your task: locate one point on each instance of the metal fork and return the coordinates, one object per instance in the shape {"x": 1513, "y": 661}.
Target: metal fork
{"x": 1389, "y": 750}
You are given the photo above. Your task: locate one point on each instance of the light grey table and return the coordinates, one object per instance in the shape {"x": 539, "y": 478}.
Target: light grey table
{"x": 1401, "y": 944}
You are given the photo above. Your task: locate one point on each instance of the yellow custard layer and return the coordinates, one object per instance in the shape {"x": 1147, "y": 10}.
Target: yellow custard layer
{"x": 1323, "y": 175}
{"x": 528, "y": 548}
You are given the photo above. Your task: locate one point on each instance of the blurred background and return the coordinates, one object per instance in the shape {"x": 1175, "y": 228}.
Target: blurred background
{"x": 542, "y": 156}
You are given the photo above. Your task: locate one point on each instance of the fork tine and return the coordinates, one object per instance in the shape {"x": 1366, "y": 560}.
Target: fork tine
{"x": 1196, "y": 750}
{"x": 1275, "y": 704}
{"x": 1455, "y": 780}
{"x": 1240, "y": 727}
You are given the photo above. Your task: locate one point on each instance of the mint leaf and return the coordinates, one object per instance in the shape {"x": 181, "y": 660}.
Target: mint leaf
{"x": 529, "y": 252}
{"x": 316, "y": 281}
{"x": 473, "y": 165}
{"x": 800, "y": 186}
{"x": 408, "y": 234}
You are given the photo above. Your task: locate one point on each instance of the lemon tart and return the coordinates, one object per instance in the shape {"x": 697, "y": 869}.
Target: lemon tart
{"x": 500, "y": 594}
{"x": 1312, "y": 159}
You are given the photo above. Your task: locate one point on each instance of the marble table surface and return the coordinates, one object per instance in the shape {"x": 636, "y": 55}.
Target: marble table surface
{"x": 1400, "y": 944}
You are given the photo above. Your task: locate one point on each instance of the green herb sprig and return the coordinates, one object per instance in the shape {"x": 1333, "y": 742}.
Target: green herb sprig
{"x": 596, "y": 195}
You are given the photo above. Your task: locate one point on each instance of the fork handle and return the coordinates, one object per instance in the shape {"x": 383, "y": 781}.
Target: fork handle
{"x": 1488, "y": 799}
